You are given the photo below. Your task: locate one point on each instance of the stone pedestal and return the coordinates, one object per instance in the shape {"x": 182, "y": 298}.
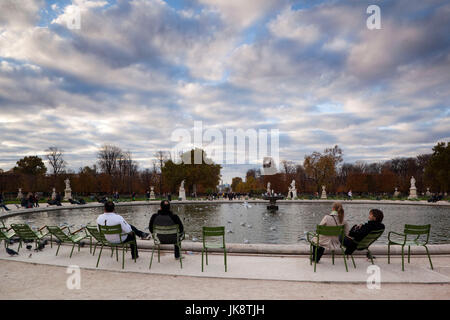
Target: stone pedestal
{"x": 20, "y": 194}
{"x": 396, "y": 193}
{"x": 412, "y": 193}
{"x": 182, "y": 194}
{"x": 67, "y": 194}
{"x": 324, "y": 193}
{"x": 292, "y": 194}
{"x": 428, "y": 193}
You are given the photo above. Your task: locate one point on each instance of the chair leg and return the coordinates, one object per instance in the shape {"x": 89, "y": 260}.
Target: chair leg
{"x": 389, "y": 253}
{"x": 429, "y": 258}
{"x": 100, "y": 254}
{"x": 332, "y": 256}
{"x": 353, "y": 260}
{"x": 79, "y": 246}
{"x": 202, "y": 260}
{"x": 403, "y": 259}
{"x": 123, "y": 257}
{"x": 345, "y": 260}
{"x": 90, "y": 244}
{"x": 57, "y": 250}
{"x": 370, "y": 255}
{"x": 95, "y": 247}
{"x": 181, "y": 258}
{"x": 310, "y": 254}
{"x": 72, "y": 250}
{"x": 51, "y": 241}
{"x": 151, "y": 259}
{"x": 225, "y": 258}
{"x": 112, "y": 251}
{"x": 409, "y": 252}
{"x": 159, "y": 254}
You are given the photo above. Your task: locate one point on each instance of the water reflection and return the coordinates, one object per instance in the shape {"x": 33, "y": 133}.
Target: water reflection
{"x": 256, "y": 224}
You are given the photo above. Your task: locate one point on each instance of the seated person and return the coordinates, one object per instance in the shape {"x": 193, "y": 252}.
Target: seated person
{"x": 110, "y": 218}
{"x": 56, "y": 201}
{"x": 335, "y": 218}
{"x": 358, "y": 232}
{"x": 165, "y": 217}
{"x": 2, "y": 204}
{"x": 25, "y": 202}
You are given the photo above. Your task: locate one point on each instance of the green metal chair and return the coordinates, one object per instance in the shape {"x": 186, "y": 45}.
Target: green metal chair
{"x": 333, "y": 231}
{"x": 410, "y": 230}
{"x": 114, "y": 230}
{"x": 72, "y": 237}
{"x": 366, "y": 242}
{"x": 24, "y": 232}
{"x": 6, "y": 235}
{"x": 215, "y": 243}
{"x": 166, "y": 230}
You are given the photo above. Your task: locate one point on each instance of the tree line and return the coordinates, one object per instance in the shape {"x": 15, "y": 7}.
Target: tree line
{"x": 327, "y": 168}
{"x": 115, "y": 170}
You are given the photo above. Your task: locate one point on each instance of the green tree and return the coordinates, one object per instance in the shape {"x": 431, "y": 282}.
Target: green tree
{"x": 32, "y": 165}
{"x": 437, "y": 171}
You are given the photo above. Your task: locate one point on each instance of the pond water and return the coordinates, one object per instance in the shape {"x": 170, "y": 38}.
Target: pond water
{"x": 256, "y": 224}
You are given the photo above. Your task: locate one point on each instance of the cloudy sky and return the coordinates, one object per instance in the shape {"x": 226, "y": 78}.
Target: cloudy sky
{"x": 135, "y": 71}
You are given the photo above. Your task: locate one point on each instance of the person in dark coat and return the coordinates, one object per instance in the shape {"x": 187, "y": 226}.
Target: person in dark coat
{"x": 2, "y": 205}
{"x": 165, "y": 217}
{"x": 358, "y": 232}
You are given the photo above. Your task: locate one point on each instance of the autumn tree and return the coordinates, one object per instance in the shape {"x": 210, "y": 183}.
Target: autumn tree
{"x": 437, "y": 170}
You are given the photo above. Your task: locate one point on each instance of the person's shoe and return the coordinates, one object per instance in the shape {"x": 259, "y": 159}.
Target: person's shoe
{"x": 178, "y": 258}
{"x": 145, "y": 235}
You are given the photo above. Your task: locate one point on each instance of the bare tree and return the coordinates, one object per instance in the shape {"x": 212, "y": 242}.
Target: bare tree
{"x": 55, "y": 158}
{"x": 108, "y": 157}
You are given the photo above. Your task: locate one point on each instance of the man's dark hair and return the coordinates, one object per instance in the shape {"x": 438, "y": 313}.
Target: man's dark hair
{"x": 165, "y": 205}
{"x": 378, "y": 214}
{"x": 109, "y": 206}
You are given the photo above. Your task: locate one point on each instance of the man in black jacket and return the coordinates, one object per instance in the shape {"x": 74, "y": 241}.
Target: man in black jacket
{"x": 165, "y": 217}
{"x": 358, "y": 232}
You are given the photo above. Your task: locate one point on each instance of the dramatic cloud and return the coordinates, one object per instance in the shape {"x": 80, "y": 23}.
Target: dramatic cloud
{"x": 137, "y": 70}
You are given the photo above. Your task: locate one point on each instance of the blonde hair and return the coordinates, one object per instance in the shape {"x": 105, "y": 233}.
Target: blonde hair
{"x": 337, "y": 206}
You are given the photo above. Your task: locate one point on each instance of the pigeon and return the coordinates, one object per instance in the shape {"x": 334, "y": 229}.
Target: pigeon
{"x": 29, "y": 246}
{"x": 249, "y": 226}
{"x": 246, "y": 241}
{"x": 273, "y": 228}
{"x": 229, "y": 221}
{"x": 11, "y": 252}
{"x": 40, "y": 246}
{"x": 229, "y": 231}
{"x": 242, "y": 224}
{"x": 30, "y": 255}
{"x": 194, "y": 239}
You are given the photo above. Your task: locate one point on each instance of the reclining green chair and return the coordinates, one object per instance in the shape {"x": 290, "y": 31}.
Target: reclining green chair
{"x": 73, "y": 237}
{"x": 6, "y": 235}
{"x": 414, "y": 230}
{"x": 366, "y": 242}
{"x": 333, "y": 231}
{"x": 209, "y": 232}
{"x": 24, "y": 232}
{"x": 165, "y": 230}
{"x": 114, "y": 230}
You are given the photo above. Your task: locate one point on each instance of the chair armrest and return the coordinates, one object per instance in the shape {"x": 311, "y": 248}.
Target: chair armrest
{"x": 78, "y": 230}
{"x": 397, "y": 234}
{"x": 310, "y": 235}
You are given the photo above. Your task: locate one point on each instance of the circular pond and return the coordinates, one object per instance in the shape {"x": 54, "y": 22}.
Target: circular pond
{"x": 254, "y": 223}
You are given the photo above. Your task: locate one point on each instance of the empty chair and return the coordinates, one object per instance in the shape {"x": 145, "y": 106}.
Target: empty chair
{"x": 421, "y": 235}
{"x": 24, "y": 232}
{"x": 73, "y": 238}
{"x": 211, "y": 241}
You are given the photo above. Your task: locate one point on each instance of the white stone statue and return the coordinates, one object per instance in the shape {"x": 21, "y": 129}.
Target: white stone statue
{"x": 413, "y": 190}
{"x": 268, "y": 188}
{"x": 413, "y": 182}
{"x": 182, "y": 192}
{"x": 54, "y": 194}
{"x": 67, "y": 191}
{"x": 292, "y": 194}
{"x": 396, "y": 193}
{"x": 324, "y": 193}
{"x": 20, "y": 194}
{"x": 428, "y": 193}
{"x": 67, "y": 181}
{"x": 152, "y": 193}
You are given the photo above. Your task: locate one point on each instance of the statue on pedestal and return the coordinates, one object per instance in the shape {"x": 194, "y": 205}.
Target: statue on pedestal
{"x": 20, "y": 194}
{"x": 68, "y": 190}
{"x": 268, "y": 190}
{"x": 54, "y": 194}
{"x": 182, "y": 192}
{"x": 413, "y": 189}
{"x": 396, "y": 193}
{"x": 152, "y": 193}
{"x": 292, "y": 194}
{"x": 324, "y": 193}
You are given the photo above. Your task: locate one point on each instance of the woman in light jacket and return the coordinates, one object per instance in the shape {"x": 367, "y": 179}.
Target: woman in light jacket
{"x": 335, "y": 218}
